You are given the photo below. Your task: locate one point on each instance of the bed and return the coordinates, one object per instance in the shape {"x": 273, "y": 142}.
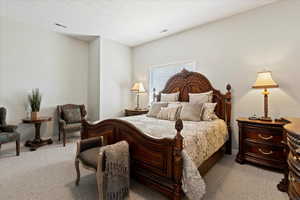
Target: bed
{"x": 157, "y": 157}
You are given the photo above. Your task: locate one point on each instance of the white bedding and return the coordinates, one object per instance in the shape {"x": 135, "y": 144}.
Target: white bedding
{"x": 201, "y": 140}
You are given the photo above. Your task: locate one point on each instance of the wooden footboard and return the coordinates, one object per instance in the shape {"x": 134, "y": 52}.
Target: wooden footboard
{"x": 155, "y": 162}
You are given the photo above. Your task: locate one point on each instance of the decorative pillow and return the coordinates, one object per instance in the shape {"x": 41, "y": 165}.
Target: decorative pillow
{"x": 174, "y": 104}
{"x": 191, "y": 112}
{"x": 72, "y": 115}
{"x": 208, "y": 112}
{"x": 171, "y": 97}
{"x": 168, "y": 113}
{"x": 155, "y": 108}
{"x": 178, "y": 104}
{"x": 199, "y": 98}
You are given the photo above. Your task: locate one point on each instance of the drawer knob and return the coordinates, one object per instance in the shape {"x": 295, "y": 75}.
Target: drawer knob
{"x": 295, "y": 158}
{"x": 291, "y": 178}
{"x": 265, "y": 138}
{"x": 265, "y": 153}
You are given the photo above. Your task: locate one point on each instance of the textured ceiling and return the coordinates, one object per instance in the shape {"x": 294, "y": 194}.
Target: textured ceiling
{"x": 131, "y": 22}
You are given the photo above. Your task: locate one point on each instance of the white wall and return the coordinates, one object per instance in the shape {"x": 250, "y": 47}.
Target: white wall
{"x": 94, "y": 80}
{"x": 31, "y": 57}
{"x": 232, "y": 51}
{"x": 115, "y": 78}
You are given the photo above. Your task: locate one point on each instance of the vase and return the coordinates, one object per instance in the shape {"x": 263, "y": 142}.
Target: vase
{"x": 34, "y": 115}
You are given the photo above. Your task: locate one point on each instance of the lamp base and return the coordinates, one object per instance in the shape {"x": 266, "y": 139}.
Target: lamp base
{"x": 268, "y": 119}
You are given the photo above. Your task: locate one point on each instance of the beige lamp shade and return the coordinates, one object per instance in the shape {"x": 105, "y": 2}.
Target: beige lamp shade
{"x": 138, "y": 87}
{"x": 264, "y": 80}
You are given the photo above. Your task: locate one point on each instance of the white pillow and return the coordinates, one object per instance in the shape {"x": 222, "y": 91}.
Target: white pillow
{"x": 198, "y": 98}
{"x": 191, "y": 112}
{"x": 171, "y": 97}
{"x": 155, "y": 108}
{"x": 168, "y": 113}
{"x": 208, "y": 112}
{"x": 178, "y": 104}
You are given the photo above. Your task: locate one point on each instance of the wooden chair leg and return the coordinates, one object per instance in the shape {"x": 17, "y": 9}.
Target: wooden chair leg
{"x": 18, "y": 147}
{"x": 64, "y": 138}
{"x": 59, "y": 134}
{"x": 77, "y": 171}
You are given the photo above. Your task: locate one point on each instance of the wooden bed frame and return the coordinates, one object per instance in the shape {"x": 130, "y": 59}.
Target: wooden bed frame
{"x": 158, "y": 163}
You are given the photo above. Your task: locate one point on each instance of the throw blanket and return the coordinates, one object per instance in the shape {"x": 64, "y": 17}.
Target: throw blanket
{"x": 113, "y": 172}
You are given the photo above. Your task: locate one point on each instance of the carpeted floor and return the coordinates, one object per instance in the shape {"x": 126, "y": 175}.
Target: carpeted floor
{"x": 49, "y": 174}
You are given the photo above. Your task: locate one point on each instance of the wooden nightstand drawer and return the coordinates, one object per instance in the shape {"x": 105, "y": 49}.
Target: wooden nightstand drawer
{"x": 264, "y": 135}
{"x": 294, "y": 185}
{"x": 293, "y": 174}
{"x": 294, "y": 163}
{"x": 262, "y": 142}
{"x": 267, "y": 152}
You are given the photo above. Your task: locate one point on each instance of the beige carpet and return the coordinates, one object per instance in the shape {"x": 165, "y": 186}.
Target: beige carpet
{"x": 48, "y": 174}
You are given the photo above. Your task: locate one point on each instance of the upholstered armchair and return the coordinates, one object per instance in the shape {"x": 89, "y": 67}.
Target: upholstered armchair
{"x": 8, "y": 133}
{"x": 69, "y": 119}
{"x": 87, "y": 154}
{"x": 109, "y": 162}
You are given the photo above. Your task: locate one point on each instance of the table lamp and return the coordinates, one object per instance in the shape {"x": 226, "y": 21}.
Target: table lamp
{"x": 264, "y": 81}
{"x": 138, "y": 88}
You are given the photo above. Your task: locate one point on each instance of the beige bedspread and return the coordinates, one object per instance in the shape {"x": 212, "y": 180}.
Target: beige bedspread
{"x": 201, "y": 140}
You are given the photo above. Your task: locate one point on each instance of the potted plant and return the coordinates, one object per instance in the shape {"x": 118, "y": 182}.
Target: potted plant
{"x": 35, "y": 99}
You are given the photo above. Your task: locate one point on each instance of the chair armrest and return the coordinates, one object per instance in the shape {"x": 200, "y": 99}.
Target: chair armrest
{"x": 62, "y": 122}
{"x": 84, "y": 117}
{"x": 8, "y": 128}
{"x": 85, "y": 144}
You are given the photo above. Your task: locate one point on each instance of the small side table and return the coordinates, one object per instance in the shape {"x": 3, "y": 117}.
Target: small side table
{"x": 132, "y": 112}
{"x": 37, "y": 141}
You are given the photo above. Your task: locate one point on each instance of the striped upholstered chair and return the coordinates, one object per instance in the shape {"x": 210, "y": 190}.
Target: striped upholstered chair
{"x": 8, "y": 133}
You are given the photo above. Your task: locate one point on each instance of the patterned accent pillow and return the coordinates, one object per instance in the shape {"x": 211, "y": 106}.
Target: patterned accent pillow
{"x": 171, "y": 97}
{"x": 174, "y": 104}
{"x": 205, "y": 97}
{"x": 178, "y": 104}
{"x": 72, "y": 115}
{"x": 168, "y": 113}
{"x": 191, "y": 112}
{"x": 208, "y": 112}
{"x": 155, "y": 108}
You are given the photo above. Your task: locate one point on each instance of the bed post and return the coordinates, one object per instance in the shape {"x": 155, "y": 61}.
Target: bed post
{"x": 228, "y": 118}
{"x": 178, "y": 162}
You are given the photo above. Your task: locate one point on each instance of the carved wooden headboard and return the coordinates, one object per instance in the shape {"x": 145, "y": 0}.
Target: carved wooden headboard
{"x": 193, "y": 82}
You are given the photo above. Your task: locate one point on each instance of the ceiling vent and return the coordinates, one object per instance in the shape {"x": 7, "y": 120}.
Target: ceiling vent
{"x": 164, "y": 31}
{"x": 60, "y": 25}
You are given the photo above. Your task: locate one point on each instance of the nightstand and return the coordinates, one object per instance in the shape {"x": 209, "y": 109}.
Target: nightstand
{"x": 132, "y": 112}
{"x": 262, "y": 143}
